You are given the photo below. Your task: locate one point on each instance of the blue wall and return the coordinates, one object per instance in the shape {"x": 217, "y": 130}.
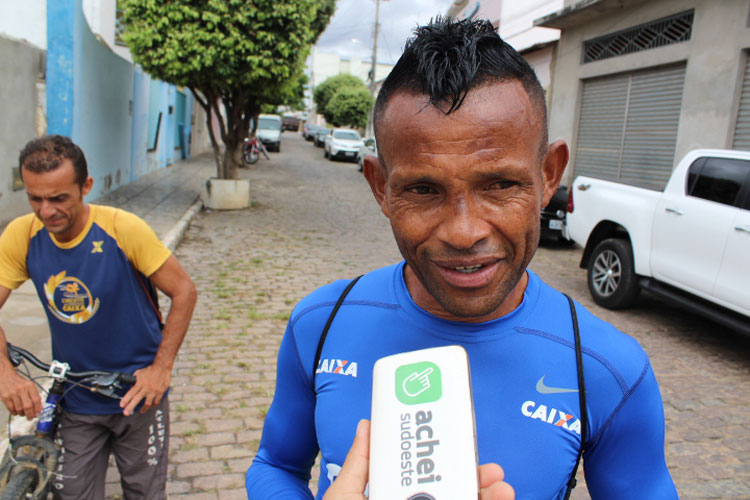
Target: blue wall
{"x": 102, "y": 125}
{"x": 139, "y": 130}
{"x": 60, "y": 60}
{"x": 106, "y": 105}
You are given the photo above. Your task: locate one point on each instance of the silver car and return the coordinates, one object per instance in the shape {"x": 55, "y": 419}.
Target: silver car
{"x": 369, "y": 147}
{"x": 343, "y": 143}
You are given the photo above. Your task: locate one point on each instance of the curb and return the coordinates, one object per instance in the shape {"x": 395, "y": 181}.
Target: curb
{"x": 174, "y": 236}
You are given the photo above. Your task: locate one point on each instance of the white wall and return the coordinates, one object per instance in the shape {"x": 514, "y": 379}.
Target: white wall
{"x": 24, "y": 20}
{"x": 322, "y": 65}
{"x": 517, "y": 22}
{"x": 714, "y": 55}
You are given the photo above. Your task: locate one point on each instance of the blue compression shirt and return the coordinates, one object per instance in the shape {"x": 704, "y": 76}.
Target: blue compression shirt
{"x": 517, "y": 362}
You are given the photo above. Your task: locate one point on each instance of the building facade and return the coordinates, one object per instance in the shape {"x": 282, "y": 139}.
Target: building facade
{"x": 65, "y": 74}
{"x": 323, "y": 65}
{"x": 514, "y": 22}
{"x": 637, "y": 84}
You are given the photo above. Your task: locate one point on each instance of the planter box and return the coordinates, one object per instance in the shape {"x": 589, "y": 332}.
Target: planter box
{"x": 226, "y": 194}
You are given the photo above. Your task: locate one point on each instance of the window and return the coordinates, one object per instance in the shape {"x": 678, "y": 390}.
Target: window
{"x": 718, "y": 179}
{"x": 665, "y": 31}
{"x": 119, "y": 25}
{"x": 346, "y": 134}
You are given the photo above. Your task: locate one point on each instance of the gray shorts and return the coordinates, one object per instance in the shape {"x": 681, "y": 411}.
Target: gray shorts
{"x": 140, "y": 444}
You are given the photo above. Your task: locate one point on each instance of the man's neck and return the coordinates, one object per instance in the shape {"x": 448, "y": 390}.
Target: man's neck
{"x": 424, "y": 299}
{"x": 77, "y": 228}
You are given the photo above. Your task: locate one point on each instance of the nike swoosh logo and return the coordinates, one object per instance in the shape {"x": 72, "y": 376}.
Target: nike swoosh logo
{"x": 542, "y": 388}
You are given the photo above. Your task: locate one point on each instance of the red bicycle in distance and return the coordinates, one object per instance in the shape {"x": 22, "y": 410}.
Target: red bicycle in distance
{"x": 251, "y": 150}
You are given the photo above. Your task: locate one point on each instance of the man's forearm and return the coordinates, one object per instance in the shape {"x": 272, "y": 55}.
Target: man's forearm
{"x": 175, "y": 328}
{"x": 5, "y": 364}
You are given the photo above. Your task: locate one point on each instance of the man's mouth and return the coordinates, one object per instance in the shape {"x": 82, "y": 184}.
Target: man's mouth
{"x": 468, "y": 269}
{"x": 476, "y": 273}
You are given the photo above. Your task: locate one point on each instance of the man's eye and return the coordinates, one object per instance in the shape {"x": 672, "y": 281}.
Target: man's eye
{"x": 502, "y": 185}
{"x": 421, "y": 190}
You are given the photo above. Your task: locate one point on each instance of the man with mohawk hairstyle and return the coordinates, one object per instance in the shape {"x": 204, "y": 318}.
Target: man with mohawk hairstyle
{"x": 463, "y": 170}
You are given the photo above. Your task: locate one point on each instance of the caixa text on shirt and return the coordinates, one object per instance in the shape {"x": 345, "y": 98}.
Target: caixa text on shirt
{"x": 551, "y": 416}
{"x": 338, "y": 366}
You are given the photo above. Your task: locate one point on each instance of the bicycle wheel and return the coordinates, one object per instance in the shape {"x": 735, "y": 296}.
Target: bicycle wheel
{"x": 20, "y": 485}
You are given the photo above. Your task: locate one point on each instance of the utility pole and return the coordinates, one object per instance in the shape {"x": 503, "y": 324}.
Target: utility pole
{"x": 375, "y": 47}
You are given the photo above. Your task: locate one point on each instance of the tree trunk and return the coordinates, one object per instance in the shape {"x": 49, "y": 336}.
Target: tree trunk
{"x": 230, "y": 165}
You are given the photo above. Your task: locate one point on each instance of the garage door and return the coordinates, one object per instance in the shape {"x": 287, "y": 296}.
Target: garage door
{"x": 742, "y": 129}
{"x": 628, "y": 126}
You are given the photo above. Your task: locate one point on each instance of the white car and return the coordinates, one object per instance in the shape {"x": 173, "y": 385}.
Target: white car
{"x": 269, "y": 131}
{"x": 688, "y": 244}
{"x": 369, "y": 147}
{"x": 343, "y": 143}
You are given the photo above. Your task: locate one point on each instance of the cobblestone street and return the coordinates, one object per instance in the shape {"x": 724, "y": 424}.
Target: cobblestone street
{"x": 313, "y": 221}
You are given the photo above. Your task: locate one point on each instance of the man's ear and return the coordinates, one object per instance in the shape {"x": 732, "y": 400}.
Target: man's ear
{"x": 87, "y": 185}
{"x": 377, "y": 177}
{"x": 553, "y": 166}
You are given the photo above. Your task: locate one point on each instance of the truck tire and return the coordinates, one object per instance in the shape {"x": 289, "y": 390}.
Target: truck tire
{"x": 611, "y": 277}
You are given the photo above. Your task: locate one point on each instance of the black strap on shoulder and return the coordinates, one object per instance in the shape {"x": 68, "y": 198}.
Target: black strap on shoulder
{"x": 328, "y": 326}
{"x": 581, "y": 396}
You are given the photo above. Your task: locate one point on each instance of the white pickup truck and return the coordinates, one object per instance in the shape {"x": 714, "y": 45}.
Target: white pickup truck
{"x": 689, "y": 244}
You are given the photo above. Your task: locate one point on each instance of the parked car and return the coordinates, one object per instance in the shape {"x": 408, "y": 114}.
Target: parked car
{"x": 369, "y": 147}
{"x": 553, "y": 215}
{"x": 290, "y": 122}
{"x": 320, "y": 135}
{"x": 689, "y": 244}
{"x": 308, "y": 131}
{"x": 343, "y": 143}
{"x": 269, "y": 131}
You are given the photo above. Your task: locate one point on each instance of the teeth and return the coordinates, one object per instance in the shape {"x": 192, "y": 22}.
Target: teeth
{"x": 467, "y": 269}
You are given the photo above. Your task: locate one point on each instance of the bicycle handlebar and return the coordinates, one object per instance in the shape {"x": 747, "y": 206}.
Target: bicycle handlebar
{"x": 101, "y": 377}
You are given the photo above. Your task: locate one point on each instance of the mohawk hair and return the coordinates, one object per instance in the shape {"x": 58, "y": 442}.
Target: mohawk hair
{"x": 446, "y": 59}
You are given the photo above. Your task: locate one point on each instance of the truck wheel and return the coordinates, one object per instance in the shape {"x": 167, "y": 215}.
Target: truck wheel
{"x": 611, "y": 278}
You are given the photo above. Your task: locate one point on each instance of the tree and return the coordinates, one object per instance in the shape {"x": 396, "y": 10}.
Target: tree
{"x": 233, "y": 54}
{"x": 325, "y": 91}
{"x": 350, "y": 106}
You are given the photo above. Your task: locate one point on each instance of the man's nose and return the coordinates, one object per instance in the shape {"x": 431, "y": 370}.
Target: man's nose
{"x": 464, "y": 225}
{"x": 46, "y": 209}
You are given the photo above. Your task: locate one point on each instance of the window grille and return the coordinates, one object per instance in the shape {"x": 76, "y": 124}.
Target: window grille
{"x": 666, "y": 31}
{"x": 119, "y": 26}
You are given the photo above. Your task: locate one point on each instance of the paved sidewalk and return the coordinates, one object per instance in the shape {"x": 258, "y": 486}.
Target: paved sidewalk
{"x": 166, "y": 199}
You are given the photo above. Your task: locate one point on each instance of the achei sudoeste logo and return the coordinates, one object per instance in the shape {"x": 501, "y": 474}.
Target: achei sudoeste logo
{"x": 418, "y": 383}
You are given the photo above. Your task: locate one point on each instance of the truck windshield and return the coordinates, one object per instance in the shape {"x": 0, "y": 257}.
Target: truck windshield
{"x": 269, "y": 124}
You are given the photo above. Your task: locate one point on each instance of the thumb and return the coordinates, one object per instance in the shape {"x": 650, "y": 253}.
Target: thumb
{"x": 352, "y": 480}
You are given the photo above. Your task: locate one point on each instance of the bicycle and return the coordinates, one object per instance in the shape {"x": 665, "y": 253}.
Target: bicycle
{"x": 30, "y": 462}
{"x": 251, "y": 150}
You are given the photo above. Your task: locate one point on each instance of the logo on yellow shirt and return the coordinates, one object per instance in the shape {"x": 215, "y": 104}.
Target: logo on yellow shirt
{"x": 97, "y": 247}
{"x": 69, "y": 299}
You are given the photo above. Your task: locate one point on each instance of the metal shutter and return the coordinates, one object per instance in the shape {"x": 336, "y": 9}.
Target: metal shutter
{"x": 628, "y": 126}
{"x": 742, "y": 128}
